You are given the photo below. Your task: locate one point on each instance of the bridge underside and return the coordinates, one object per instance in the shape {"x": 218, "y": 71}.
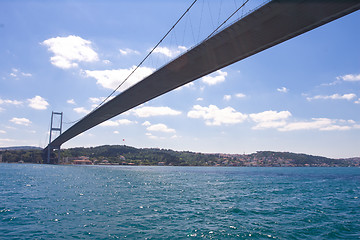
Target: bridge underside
{"x": 273, "y": 23}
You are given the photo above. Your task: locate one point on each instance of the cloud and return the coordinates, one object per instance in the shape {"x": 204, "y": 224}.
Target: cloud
{"x": 282, "y": 89}
{"x": 116, "y": 132}
{"x": 349, "y": 77}
{"x": 214, "y": 116}
{"x": 269, "y": 119}
{"x": 111, "y": 79}
{"x": 155, "y": 111}
{"x": 128, "y": 51}
{"x": 331, "y": 84}
{"x": 199, "y": 99}
{"x": 240, "y": 95}
{"x": 160, "y": 128}
{"x": 268, "y": 116}
{"x": 357, "y": 101}
{"x": 38, "y": 103}
{"x": 170, "y": 52}
{"x": 336, "y": 96}
{"x": 323, "y": 124}
{"x": 12, "y": 102}
{"x": 2, "y": 131}
{"x": 188, "y": 85}
{"x": 146, "y": 123}
{"x": 110, "y": 123}
{"x": 81, "y": 110}
{"x": 69, "y": 51}
{"x": 99, "y": 99}
{"x": 16, "y": 73}
{"x": 214, "y": 78}
{"x": 153, "y": 137}
{"x": 270, "y": 124}
{"x": 21, "y": 121}
{"x": 1, "y": 109}
{"x": 71, "y": 101}
{"x": 227, "y": 97}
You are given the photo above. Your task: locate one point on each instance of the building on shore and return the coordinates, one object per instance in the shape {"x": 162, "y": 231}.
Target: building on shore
{"x": 82, "y": 161}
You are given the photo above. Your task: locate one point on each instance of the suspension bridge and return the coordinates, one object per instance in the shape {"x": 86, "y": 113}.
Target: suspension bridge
{"x": 267, "y": 26}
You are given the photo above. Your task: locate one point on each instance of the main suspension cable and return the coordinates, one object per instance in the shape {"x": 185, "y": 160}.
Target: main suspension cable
{"x": 152, "y": 50}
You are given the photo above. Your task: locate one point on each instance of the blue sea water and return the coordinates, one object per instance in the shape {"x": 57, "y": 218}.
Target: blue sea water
{"x": 119, "y": 202}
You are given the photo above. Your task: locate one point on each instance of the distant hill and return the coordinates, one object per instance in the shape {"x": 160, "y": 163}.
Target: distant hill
{"x": 126, "y": 155}
{"x": 20, "y": 148}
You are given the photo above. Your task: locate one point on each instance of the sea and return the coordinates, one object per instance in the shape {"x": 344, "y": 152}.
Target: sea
{"x": 158, "y": 202}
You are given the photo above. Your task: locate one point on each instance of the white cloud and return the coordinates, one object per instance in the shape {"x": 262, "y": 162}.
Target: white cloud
{"x": 214, "y": 116}
{"x": 21, "y": 121}
{"x": 240, "y": 95}
{"x": 322, "y": 124}
{"x": 12, "y": 102}
{"x": 199, "y": 99}
{"x": 271, "y": 124}
{"x": 350, "y": 77}
{"x": 160, "y": 128}
{"x": 188, "y": 85}
{"x": 69, "y": 51}
{"x": 214, "y": 78}
{"x": 357, "y": 101}
{"x": 336, "y": 96}
{"x": 96, "y": 100}
{"x": 2, "y": 131}
{"x": 16, "y": 73}
{"x": 282, "y": 89}
{"x": 278, "y": 120}
{"x": 227, "y": 97}
{"x": 116, "y": 132}
{"x": 71, "y": 101}
{"x": 146, "y": 123}
{"x": 110, "y": 123}
{"x": 269, "y": 119}
{"x": 1, "y": 109}
{"x": 111, "y": 79}
{"x": 170, "y": 52}
{"x": 38, "y": 103}
{"x": 331, "y": 84}
{"x": 26, "y": 74}
{"x": 268, "y": 116}
{"x": 128, "y": 51}
{"x": 81, "y": 110}
{"x": 155, "y": 111}
{"x": 153, "y": 137}
{"x": 125, "y": 122}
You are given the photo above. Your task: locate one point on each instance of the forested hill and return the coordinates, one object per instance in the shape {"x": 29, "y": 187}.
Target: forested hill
{"x": 125, "y": 155}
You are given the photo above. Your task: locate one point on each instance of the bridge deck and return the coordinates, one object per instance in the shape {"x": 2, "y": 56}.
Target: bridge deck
{"x": 273, "y": 23}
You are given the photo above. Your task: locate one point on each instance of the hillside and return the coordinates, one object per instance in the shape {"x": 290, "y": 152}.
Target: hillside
{"x": 126, "y": 155}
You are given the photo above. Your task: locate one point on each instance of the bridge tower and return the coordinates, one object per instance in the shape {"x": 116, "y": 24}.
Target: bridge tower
{"x": 57, "y": 128}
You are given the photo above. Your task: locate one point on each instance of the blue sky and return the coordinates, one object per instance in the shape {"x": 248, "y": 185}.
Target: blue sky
{"x": 66, "y": 56}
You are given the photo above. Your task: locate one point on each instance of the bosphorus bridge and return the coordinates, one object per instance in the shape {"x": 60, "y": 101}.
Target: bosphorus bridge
{"x": 267, "y": 26}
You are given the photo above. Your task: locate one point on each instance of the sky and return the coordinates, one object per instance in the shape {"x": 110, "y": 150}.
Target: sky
{"x": 300, "y": 96}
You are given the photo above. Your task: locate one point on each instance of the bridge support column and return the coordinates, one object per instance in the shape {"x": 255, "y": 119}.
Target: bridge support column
{"x": 57, "y": 128}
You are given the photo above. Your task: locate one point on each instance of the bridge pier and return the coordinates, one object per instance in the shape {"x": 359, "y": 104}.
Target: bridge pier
{"x": 49, "y": 149}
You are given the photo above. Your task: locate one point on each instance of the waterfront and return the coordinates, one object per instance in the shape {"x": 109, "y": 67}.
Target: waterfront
{"x": 111, "y": 202}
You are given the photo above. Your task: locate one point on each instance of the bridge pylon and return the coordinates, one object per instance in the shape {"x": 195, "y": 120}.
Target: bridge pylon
{"x": 57, "y": 128}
